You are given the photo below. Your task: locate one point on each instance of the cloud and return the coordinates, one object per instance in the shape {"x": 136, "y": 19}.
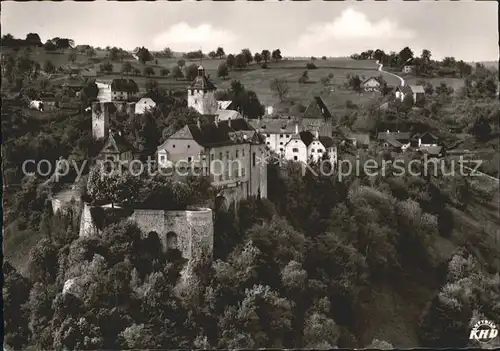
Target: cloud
{"x": 183, "y": 37}
{"x": 352, "y": 29}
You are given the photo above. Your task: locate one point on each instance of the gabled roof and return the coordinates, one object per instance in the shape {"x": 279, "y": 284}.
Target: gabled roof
{"x": 377, "y": 79}
{"x": 393, "y": 135}
{"x": 236, "y": 131}
{"x": 227, "y": 114}
{"x": 117, "y": 143}
{"x": 417, "y": 89}
{"x": 127, "y": 85}
{"x": 306, "y": 137}
{"x": 274, "y": 126}
{"x": 317, "y": 109}
{"x": 431, "y": 150}
{"x": 427, "y": 134}
{"x": 222, "y": 105}
{"x": 326, "y": 141}
{"x": 393, "y": 142}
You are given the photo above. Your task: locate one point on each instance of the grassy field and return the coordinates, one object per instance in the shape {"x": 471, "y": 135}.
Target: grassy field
{"x": 59, "y": 57}
{"x": 255, "y": 78}
{"x": 455, "y": 83}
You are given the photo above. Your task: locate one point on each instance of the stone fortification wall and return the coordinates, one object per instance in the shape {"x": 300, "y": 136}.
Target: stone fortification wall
{"x": 193, "y": 229}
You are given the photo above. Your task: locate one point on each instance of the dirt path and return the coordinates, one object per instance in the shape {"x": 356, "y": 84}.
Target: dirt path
{"x": 392, "y": 74}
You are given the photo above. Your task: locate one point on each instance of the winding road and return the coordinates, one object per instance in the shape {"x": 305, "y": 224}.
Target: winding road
{"x": 392, "y": 74}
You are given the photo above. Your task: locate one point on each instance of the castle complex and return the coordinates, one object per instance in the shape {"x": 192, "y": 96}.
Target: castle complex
{"x": 222, "y": 142}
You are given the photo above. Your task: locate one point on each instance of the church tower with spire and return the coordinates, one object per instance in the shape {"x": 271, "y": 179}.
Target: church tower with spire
{"x": 201, "y": 94}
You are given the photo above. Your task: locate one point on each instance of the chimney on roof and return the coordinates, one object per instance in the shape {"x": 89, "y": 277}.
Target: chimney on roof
{"x": 388, "y": 131}
{"x": 296, "y": 129}
{"x": 229, "y": 122}
{"x": 216, "y": 120}
{"x": 119, "y": 133}
{"x": 317, "y": 134}
{"x": 198, "y": 123}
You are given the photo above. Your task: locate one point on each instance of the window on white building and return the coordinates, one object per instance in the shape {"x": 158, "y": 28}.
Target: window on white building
{"x": 295, "y": 158}
{"x": 295, "y": 149}
{"x": 237, "y": 153}
{"x": 281, "y": 143}
{"x": 312, "y": 150}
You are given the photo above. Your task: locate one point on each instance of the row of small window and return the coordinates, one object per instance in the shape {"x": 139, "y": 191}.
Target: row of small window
{"x": 236, "y": 174}
{"x": 281, "y": 135}
{"x": 297, "y": 150}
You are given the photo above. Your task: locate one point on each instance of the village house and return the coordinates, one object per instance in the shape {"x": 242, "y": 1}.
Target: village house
{"x": 123, "y": 89}
{"x": 321, "y": 145}
{"x": 408, "y": 69}
{"x": 397, "y": 141}
{"x": 416, "y": 91}
{"x": 427, "y": 140}
{"x": 371, "y": 84}
{"x": 277, "y": 132}
{"x": 296, "y": 147}
{"x": 144, "y": 104}
{"x": 305, "y": 146}
{"x": 116, "y": 148}
{"x": 232, "y": 152}
{"x": 347, "y": 137}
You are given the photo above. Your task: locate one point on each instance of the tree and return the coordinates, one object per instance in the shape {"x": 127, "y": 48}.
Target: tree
{"x": 191, "y": 71}
{"x": 16, "y": 290}
{"x": 220, "y": 52}
{"x": 167, "y": 53}
{"x": 276, "y": 55}
{"x": 266, "y": 55}
{"x": 280, "y": 88}
{"x": 212, "y": 54}
{"x": 164, "y": 72}
{"x": 49, "y": 67}
{"x": 148, "y": 71}
{"x": 355, "y": 83}
{"x": 230, "y": 61}
{"x": 127, "y": 67}
{"x": 405, "y": 55}
{"x": 181, "y": 63}
{"x": 240, "y": 61}
{"x": 248, "y": 55}
{"x": 257, "y": 57}
{"x": 177, "y": 73}
{"x": 33, "y": 39}
{"x": 49, "y": 46}
{"x": 222, "y": 70}
{"x": 114, "y": 54}
{"x": 144, "y": 55}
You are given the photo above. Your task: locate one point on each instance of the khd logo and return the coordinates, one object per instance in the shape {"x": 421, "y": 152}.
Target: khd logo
{"x": 483, "y": 331}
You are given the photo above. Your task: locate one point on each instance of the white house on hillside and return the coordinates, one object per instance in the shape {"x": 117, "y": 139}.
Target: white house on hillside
{"x": 321, "y": 145}
{"x": 143, "y": 105}
{"x": 371, "y": 84}
{"x": 296, "y": 147}
{"x": 416, "y": 91}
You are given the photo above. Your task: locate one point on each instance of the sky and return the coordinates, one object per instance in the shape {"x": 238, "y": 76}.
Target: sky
{"x": 466, "y": 30}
